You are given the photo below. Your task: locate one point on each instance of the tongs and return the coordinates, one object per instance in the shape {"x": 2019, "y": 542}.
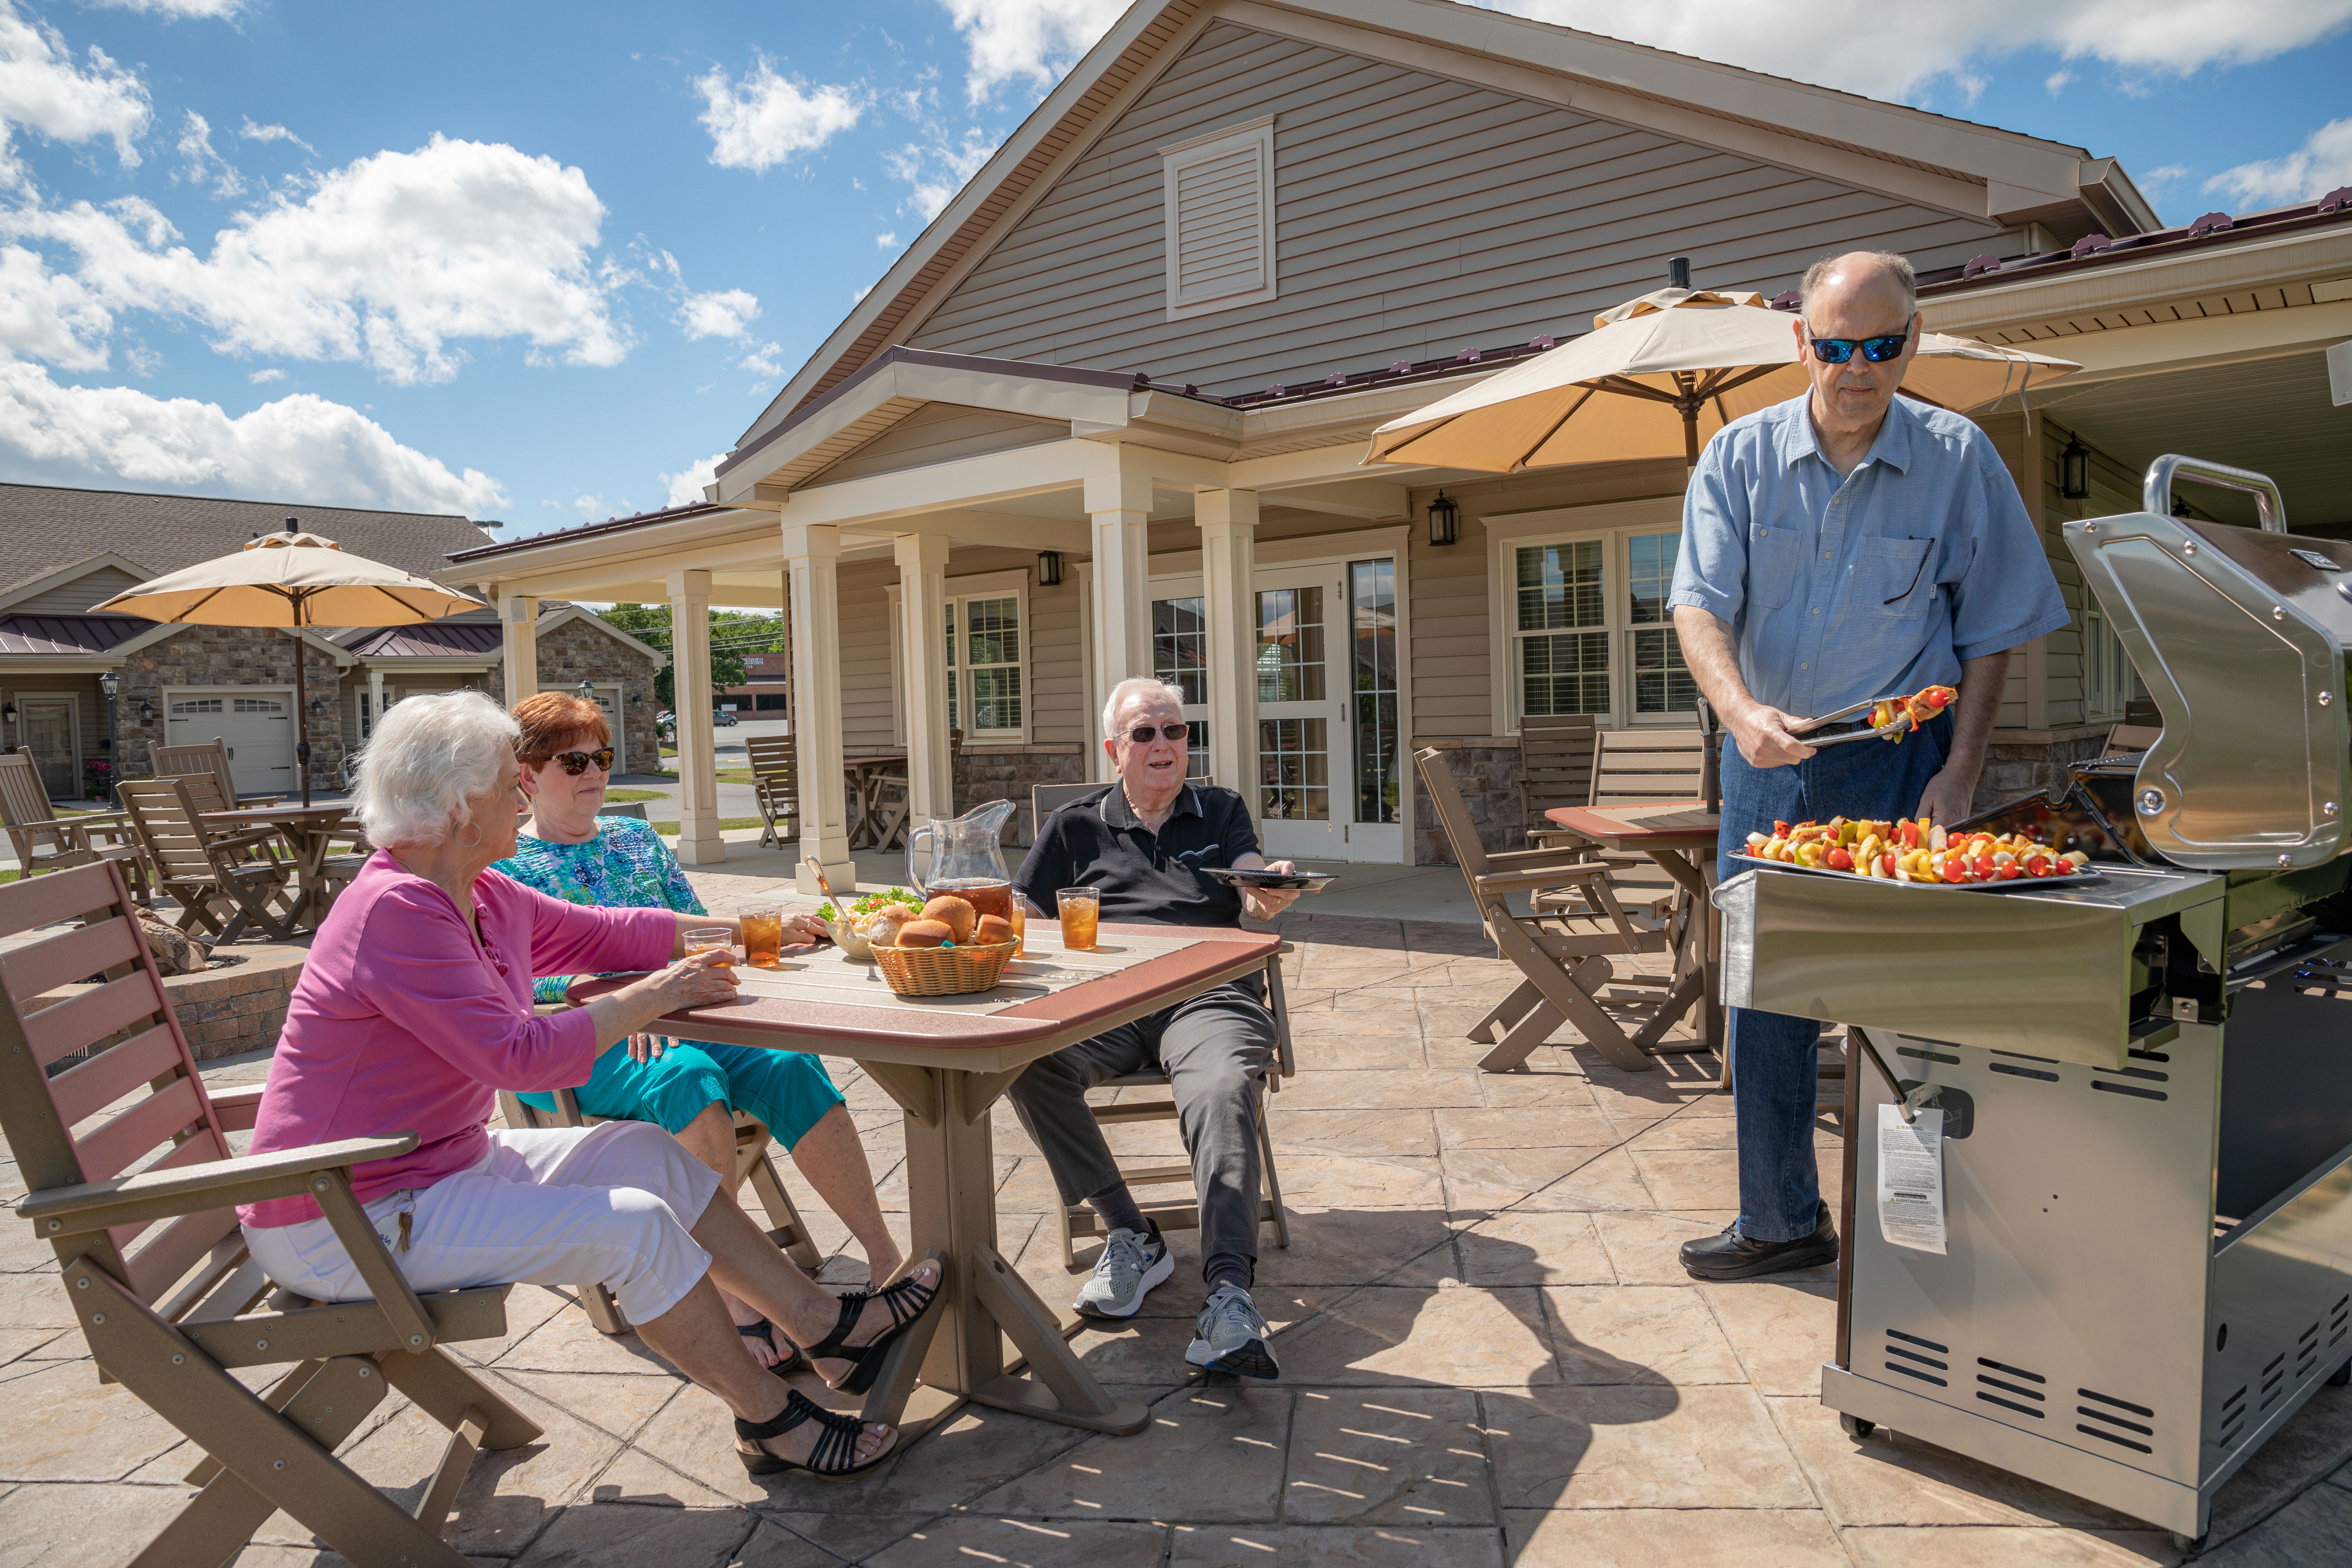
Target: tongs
{"x": 1901, "y": 724}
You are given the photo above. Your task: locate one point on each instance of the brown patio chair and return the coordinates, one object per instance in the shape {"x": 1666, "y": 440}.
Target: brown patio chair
{"x": 887, "y": 802}
{"x": 1642, "y": 767}
{"x": 752, "y": 1142}
{"x": 2133, "y": 737}
{"x": 775, "y": 783}
{"x": 1563, "y": 958}
{"x": 1556, "y": 753}
{"x": 33, "y": 825}
{"x": 132, "y": 1182}
{"x": 209, "y": 758}
{"x": 1045, "y": 800}
{"x": 202, "y": 868}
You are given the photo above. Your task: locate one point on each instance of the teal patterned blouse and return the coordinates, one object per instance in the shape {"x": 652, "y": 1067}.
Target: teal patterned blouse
{"x": 626, "y": 866}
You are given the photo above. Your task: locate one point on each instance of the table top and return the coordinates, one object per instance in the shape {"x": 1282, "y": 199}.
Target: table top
{"x": 1669, "y": 825}
{"x": 883, "y": 759}
{"x": 979, "y": 1041}
{"x": 336, "y": 809}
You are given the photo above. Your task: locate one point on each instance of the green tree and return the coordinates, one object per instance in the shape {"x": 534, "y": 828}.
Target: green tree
{"x": 650, "y": 623}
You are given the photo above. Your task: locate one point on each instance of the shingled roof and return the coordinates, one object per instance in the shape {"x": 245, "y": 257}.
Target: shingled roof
{"x": 44, "y": 529}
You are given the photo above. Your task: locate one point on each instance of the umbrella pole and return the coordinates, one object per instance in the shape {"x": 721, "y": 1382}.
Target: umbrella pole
{"x": 301, "y": 712}
{"x": 1690, "y": 434}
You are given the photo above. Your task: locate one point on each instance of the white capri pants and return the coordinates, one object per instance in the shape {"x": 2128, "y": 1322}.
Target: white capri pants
{"x": 563, "y": 1205}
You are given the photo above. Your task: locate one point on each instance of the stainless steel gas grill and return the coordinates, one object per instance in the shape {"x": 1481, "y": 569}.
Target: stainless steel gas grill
{"x": 2145, "y": 1079}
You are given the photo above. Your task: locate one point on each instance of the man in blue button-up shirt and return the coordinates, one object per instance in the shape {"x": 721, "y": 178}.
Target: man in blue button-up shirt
{"x": 1839, "y": 547}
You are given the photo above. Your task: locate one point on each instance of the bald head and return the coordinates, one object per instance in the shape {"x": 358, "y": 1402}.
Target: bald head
{"x": 1861, "y": 277}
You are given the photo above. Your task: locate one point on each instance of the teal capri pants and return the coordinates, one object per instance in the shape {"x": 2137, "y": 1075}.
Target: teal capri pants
{"x": 789, "y": 1090}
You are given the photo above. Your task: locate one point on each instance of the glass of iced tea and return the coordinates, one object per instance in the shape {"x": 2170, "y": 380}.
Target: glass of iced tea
{"x": 763, "y": 935}
{"x": 1081, "y": 909}
{"x": 1020, "y": 924}
{"x": 709, "y": 939}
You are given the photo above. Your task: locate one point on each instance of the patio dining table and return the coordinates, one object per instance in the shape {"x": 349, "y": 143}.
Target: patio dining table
{"x": 309, "y": 832}
{"x": 862, "y": 773}
{"x": 945, "y": 1060}
{"x": 1680, "y": 836}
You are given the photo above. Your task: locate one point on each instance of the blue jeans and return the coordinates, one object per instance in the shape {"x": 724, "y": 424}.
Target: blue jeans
{"x": 1775, "y": 1059}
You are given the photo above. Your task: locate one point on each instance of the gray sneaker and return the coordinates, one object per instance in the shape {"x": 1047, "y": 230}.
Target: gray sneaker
{"x": 1130, "y": 1264}
{"x": 1232, "y": 1336}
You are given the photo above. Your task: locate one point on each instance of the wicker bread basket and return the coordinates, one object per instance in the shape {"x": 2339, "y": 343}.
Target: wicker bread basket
{"x": 944, "y": 971}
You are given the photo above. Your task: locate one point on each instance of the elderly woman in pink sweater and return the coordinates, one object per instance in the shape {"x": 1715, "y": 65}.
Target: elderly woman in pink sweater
{"x": 414, "y": 1007}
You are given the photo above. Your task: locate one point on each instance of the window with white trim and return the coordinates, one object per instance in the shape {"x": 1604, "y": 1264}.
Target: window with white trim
{"x": 1217, "y": 193}
{"x": 1591, "y": 630}
{"x": 2107, "y": 668}
{"x": 984, "y": 697}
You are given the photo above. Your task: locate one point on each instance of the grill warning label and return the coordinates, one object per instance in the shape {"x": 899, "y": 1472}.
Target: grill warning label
{"x": 1911, "y": 1179}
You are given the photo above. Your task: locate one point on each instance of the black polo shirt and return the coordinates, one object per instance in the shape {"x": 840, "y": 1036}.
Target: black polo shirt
{"x": 1097, "y": 842}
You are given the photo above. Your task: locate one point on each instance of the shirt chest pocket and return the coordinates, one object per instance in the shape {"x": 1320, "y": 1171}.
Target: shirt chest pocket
{"x": 1891, "y": 580}
{"x": 1776, "y": 557}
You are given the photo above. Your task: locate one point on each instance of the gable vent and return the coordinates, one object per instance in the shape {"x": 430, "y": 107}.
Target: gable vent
{"x": 1218, "y": 192}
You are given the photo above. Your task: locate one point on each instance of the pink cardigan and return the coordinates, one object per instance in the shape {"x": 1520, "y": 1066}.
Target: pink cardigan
{"x": 402, "y": 1023}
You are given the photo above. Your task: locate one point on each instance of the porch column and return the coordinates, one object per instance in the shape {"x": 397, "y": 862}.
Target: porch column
{"x": 811, "y": 573}
{"x": 1228, "y": 520}
{"x": 923, "y": 593}
{"x": 699, "y": 843}
{"x": 519, "y": 635}
{"x": 375, "y": 696}
{"x": 1121, "y": 506}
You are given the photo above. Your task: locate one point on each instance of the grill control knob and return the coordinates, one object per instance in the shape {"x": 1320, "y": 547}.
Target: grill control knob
{"x": 2151, "y": 801}
{"x": 2331, "y": 808}
{"x": 2278, "y": 612}
{"x": 2326, "y": 698}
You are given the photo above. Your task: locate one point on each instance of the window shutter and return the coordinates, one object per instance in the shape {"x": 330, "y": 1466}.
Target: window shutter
{"x": 1220, "y": 203}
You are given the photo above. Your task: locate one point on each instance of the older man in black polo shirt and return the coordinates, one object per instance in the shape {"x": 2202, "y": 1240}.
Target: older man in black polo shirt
{"x": 1143, "y": 842}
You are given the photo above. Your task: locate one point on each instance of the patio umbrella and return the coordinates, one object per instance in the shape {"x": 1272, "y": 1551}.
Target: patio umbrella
{"x": 1660, "y": 375}
{"x": 294, "y": 580}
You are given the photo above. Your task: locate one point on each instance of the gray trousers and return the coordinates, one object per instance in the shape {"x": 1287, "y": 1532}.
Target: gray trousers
{"x": 1215, "y": 1049}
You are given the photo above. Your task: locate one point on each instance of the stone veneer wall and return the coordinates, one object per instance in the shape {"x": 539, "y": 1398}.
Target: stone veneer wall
{"x": 222, "y": 1011}
{"x": 577, "y": 651}
{"x": 2014, "y": 768}
{"x": 1489, "y": 777}
{"x": 985, "y": 775}
{"x": 224, "y": 655}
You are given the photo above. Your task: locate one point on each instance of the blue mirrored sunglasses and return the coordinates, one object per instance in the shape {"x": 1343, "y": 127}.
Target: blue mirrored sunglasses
{"x": 1877, "y": 351}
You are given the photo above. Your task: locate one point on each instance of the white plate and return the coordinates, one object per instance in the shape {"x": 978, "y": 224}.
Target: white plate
{"x": 2084, "y": 876}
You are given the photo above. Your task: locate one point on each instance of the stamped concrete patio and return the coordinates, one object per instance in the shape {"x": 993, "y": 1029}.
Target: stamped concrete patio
{"x": 1489, "y": 1357}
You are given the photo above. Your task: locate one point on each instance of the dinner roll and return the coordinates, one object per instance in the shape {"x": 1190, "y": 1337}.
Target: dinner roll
{"x": 883, "y": 926}
{"x": 993, "y": 929}
{"x": 956, "y": 914}
{"x": 925, "y": 933}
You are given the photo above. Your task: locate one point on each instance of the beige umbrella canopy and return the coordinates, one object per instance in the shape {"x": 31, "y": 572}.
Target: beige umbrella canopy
{"x": 1657, "y": 377}
{"x": 294, "y": 580}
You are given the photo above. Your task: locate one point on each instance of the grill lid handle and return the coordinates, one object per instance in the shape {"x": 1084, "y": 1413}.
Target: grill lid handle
{"x": 2156, "y": 490}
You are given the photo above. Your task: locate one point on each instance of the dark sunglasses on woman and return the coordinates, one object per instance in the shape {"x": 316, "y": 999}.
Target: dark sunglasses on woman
{"x": 1141, "y": 734}
{"x": 576, "y": 762}
{"x": 1877, "y": 350}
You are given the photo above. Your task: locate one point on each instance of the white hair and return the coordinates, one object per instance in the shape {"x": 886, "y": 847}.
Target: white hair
{"x": 426, "y": 755}
{"x": 1133, "y": 687}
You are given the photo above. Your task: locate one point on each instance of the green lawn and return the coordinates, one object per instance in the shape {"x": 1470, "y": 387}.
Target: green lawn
{"x": 623, "y": 796}
{"x": 724, "y": 822}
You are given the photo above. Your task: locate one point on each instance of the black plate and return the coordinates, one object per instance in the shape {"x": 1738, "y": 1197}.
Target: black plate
{"x": 1310, "y": 881}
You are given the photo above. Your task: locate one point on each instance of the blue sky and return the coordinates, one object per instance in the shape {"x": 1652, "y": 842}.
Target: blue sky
{"x": 535, "y": 262}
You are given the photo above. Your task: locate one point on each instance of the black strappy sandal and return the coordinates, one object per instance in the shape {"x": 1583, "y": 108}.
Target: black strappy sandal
{"x": 832, "y": 1458}
{"x": 908, "y": 1301}
{"x": 788, "y": 1354}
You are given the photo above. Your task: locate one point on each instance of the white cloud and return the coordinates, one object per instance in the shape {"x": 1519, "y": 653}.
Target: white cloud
{"x": 764, "y": 362}
{"x": 685, "y": 487}
{"x": 300, "y": 444}
{"x": 202, "y": 163}
{"x": 887, "y": 241}
{"x": 725, "y": 313}
{"x": 1897, "y": 49}
{"x": 221, "y": 10}
{"x": 264, "y": 377}
{"x": 2055, "y": 82}
{"x": 2154, "y": 183}
{"x": 49, "y": 315}
{"x": 253, "y": 132}
{"x": 589, "y": 507}
{"x": 2321, "y": 163}
{"x": 1030, "y": 41}
{"x": 390, "y": 261}
{"x": 42, "y": 89}
{"x": 935, "y": 171}
{"x": 767, "y": 118}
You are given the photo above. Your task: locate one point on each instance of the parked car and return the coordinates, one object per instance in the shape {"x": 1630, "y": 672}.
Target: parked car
{"x": 724, "y": 718}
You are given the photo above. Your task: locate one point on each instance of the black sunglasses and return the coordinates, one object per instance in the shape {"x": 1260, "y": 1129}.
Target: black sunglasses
{"x": 1141, "y": 734}
{"x": 576, "y": 762}
{"x": 1877, "y": 350}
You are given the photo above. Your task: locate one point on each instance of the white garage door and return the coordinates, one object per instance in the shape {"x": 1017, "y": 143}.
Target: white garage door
{"x": 258, "y": 727}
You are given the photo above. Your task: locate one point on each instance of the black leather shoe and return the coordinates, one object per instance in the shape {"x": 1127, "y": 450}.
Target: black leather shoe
{"x": 1733, "y": 1257}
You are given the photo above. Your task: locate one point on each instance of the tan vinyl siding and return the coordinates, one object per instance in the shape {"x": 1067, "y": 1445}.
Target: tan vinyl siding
{"x": 938, "y": 433}
{"x": 865, "y": 695}
{"x": 1414, "y": 216}
{"x": 74, "y": 598}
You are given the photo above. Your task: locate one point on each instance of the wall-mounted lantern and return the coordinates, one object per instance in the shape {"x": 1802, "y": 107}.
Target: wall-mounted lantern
{"x": 1049, "y": 568}
{"x": 2074, "y": 470}
{"x": 1444, "y": 520}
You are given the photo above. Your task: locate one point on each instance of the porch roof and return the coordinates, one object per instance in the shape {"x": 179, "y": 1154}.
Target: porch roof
{"x": 66, "y": 637}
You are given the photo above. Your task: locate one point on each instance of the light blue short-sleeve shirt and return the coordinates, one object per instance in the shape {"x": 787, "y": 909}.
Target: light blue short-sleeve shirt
{"x": 1839, "y": 591}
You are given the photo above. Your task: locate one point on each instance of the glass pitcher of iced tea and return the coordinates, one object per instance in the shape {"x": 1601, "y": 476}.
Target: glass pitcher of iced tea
{"x": 967, "y": 858}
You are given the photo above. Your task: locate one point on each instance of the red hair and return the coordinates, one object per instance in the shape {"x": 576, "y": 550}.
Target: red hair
{"x": 553, "y": 720}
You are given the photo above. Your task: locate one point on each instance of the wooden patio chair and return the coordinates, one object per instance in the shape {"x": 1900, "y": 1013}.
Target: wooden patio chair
{"x": 202, "y": 868}
{"x": 207, "y": 758}
{"x": 1563, "y": 959}
{"x": 1639, "y": 767}
{"x": 1045, "y": 800}
{"x": 752, "y": 1143}
{"x": 33, "y": 825}
{"x": 775, "y": 783}
{"x": 1556, "y": 753}
{"x": 2133, "y": 737}
{"x": 133, "y": 1183}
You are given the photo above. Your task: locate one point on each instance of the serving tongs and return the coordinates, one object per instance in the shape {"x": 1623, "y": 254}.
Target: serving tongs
{"x": 1902, "y": 724}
